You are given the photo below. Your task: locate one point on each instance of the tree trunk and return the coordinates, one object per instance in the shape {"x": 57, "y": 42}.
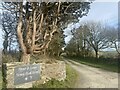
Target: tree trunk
{"x": 5, "y": 45}
{"x": 78, "y": 51}
{"x": 25, "y": 58}
{"x": 96, "y": 54}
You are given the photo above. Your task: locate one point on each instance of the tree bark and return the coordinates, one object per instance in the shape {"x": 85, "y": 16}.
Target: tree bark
{"x": 96, "y": 54}
{"x": 25, "y": 58}
{"x": 117, "y": 48}
{"x": 78, "y": 51}
{"x": 5, "y": 45}
{"x": 34, "y": 31}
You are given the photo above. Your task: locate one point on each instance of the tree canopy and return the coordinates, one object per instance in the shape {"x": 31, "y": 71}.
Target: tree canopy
{"x": 40, "y": 25}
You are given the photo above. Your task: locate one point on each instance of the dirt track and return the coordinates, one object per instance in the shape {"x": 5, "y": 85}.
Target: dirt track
{"x": 90, "y": 77}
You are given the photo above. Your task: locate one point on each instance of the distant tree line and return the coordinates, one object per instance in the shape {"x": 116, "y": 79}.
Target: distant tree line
{"x": 92, "y": 36}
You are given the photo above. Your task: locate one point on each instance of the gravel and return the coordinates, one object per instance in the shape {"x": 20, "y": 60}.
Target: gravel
{"x": 90, "y": 77}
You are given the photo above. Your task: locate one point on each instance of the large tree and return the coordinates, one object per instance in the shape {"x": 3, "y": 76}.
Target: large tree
{"x": 39, "y": 24}
{"x": 96, "y": 36}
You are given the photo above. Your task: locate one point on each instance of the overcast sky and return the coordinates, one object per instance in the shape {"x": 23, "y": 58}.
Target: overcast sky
{"x": 105, "y": 12}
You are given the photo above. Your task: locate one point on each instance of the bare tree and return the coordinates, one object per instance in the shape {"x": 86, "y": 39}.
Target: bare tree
{"x": 113, "y": 38}
{"x": 96, "y": 36}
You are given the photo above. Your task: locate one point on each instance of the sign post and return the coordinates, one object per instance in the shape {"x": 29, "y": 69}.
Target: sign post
{"x": 26, "y": 73}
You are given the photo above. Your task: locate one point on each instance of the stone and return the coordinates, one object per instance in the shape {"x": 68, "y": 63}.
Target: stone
{"x": 47, "y": 72}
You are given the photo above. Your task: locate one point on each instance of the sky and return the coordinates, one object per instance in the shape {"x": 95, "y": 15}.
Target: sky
{"x": 104, "y": 12}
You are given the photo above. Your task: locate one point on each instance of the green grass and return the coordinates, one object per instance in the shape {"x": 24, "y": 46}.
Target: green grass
{"x": 0, "y": 80}
{"x": 106, "y": 64}
{"x": 69, "y": 82}
{"x": 108, "y": 54}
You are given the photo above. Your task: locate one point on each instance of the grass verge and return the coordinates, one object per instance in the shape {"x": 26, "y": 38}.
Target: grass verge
{"x": 69, "y": 82}
{"x": 0, "y": 80}
{"x": 109, "y": 65}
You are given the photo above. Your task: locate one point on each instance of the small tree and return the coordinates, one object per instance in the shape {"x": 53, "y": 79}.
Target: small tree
{"x": 71, "y": 47}
{"x": 113, "y": 38}
{"x": 80, "y": 36}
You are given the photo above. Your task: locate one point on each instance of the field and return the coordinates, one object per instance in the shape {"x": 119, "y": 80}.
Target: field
{"x": 108, "y": 54}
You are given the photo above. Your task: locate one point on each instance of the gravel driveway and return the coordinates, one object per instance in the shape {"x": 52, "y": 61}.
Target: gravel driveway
{"x": 90, "y": 77}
